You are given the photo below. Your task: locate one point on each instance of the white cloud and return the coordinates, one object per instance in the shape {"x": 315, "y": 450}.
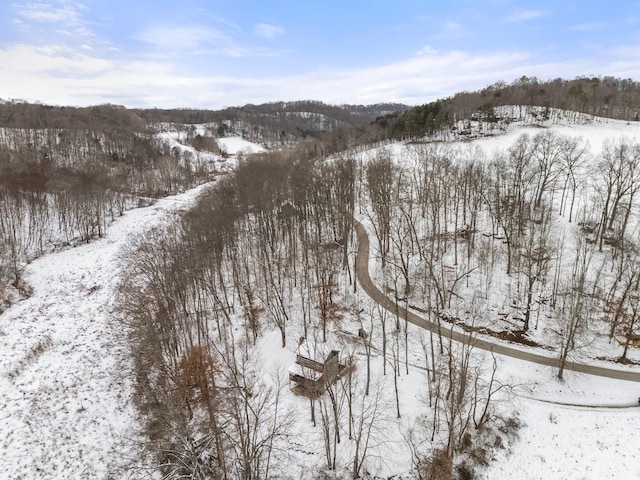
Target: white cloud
{"x": 52, "y": 60}
{"x": 427, "y": 50}
{"x": 42, "y": 12}
{"x": 199, "y": 40}
{"x": 526, "y": 15}
{"x": 58, "y": 12}
{"x": 587, "y": 27}
{"x": 62, "y": 76}
{"x": 67, "y": 14}
{"x": 65, "y": 76}
{"x": 182, "y": 37}
{"x": 268, "y": 31}
{"x": 451, "y": 26}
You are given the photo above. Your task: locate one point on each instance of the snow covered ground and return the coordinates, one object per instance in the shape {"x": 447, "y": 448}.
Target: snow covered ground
{"x": 65, "y": 375}
{"x": 230, "y": 148}
{"x": 595, "y": 132}
{"x": 583, "y": 428}
{"x": 66, "y": 407}
{"x": 236, "y": 145}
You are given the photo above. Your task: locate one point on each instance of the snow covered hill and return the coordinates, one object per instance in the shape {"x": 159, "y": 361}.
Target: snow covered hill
{"x": 66, "y": 407}
{"x": 236, "y": 145}
{"x": 582, "y": 428}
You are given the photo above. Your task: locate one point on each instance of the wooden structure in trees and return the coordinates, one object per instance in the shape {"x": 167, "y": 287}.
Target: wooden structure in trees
{"x": 316, "y": 368}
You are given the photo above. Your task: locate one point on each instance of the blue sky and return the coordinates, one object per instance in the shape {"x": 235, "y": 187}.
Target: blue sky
{"x": 217, "y": 53}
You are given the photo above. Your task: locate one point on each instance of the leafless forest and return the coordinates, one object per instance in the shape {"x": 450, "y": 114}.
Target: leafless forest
{"x": 271, "y": 246}
{"x": 539, "y": 236}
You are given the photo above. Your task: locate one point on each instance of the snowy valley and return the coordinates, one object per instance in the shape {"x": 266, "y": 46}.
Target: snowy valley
{"x": 94, "y": 385}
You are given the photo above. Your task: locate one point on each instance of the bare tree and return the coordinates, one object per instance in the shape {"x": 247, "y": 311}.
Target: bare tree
{"x": 255, "y": 415}
{"x": 572, "y": 156}
{"x": 380, "y": 174}
{"x": 547, "y": 151}
{"x": 619, "y": 174}
{"x": 576, "y": 309}
{"x": 369, "y": 427}
{"x": 534, "y": 258}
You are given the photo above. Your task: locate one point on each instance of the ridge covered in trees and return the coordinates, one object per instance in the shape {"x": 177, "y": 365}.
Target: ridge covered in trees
{"x": 273, "y": 124}
{"x": 599, "y": 96}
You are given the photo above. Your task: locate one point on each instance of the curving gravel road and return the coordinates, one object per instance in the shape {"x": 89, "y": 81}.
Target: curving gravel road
{"x": 485, "y": 343}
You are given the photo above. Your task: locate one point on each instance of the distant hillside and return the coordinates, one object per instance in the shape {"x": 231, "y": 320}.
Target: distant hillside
{"x": 36, "y": 115}
{"x": 600, "y": 96}
{"x": 334, "y": 128}
{"x": 271, "y": 124}
{"x": 278, "y": 122}
{"x": 335, "y": 114}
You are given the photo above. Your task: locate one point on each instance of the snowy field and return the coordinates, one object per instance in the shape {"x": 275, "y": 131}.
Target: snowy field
{"x": 595, "y": 132}
{"x": 236, "y": 145}
{"x": 66, "y": 407}
{"x": 584, "y": 428}
{"x": 230, "y": 148}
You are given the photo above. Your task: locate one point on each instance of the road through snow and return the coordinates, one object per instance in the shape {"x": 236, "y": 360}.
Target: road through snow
{"x": 66, "y": 387}
{"x": 483, "y": 342}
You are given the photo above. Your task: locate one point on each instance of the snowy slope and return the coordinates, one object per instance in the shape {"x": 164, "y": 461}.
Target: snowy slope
{"x": 236, "y": 145}
{"x": 595, "y": 132}
{"x": 585, "y": 427}
{"x": 65, "y": 379}
{"x": 65, "y": 376}
{"x": 174, "y": 140}
{"x": 582, "y": 428}
{"x": 231, "y": 147}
